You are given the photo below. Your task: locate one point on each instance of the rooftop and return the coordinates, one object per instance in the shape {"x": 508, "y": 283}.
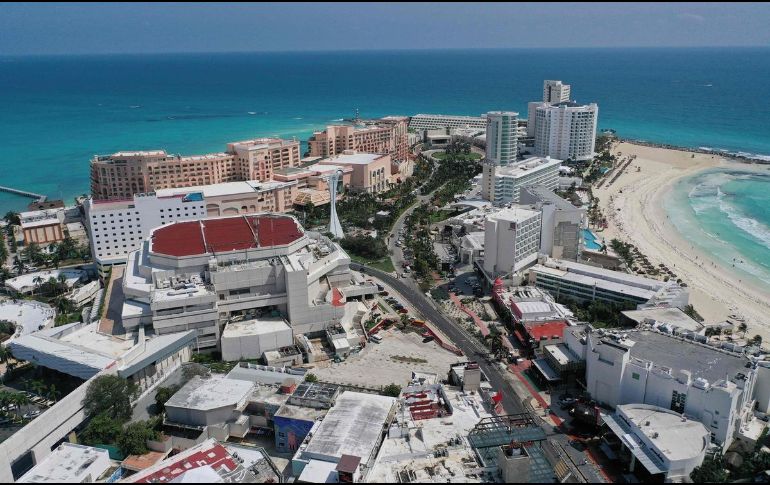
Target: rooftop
{"x": 225, "y": 188}
{"x": 524, "y": 167}
{"x": 544, "y": 194}
{"x": 224, "y": 234}
{"x": 514, "y": 214}
{"x": 68, "y": 463}
{"x": 352, "y": 159}
{"x": 352, "y": 427}
{"x": 257, "y": 326}
{"x": 210, "y": 393}
{"x": 669, "y": 316}
{"x": 678, "y": 354}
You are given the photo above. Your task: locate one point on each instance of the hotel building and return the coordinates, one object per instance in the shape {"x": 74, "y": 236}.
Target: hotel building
{"x": 383, "y": 136}
{"x": 123, "y": 174}
{"x": 556, "y": 92}
{"x": 566, "y": 130}
{"x": 562, "y": 234}
{"x": 118, "y": 227}
{"x": 503, "y": 184}
{"x": 198, "y": 275}
{"x": 434, "y": 122}
{"x": 511, "y": 241}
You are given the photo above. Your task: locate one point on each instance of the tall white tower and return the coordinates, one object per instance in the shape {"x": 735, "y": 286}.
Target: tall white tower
{"x": 334, "y": 222}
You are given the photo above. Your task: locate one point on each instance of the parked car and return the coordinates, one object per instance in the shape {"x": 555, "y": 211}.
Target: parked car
{"x": 428, "y": 339}
{"x": 403, "y": 310}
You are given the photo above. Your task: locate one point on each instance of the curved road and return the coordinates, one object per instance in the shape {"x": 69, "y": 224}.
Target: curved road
{"x": 471, "y": 348}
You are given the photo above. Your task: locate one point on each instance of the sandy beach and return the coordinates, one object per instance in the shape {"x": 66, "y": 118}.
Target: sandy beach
{"x": 633, "y": 205}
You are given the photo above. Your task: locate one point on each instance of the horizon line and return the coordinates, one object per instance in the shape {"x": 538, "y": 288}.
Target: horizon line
{"x": 405, "y": 49}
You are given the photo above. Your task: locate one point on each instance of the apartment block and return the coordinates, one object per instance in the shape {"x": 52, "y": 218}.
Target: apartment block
{"x": 388, "y": 135}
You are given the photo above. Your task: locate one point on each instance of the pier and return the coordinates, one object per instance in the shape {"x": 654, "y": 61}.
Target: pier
{"x": 24, "y": 193}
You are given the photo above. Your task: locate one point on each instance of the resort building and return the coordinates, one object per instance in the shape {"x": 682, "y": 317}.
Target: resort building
{"x": 502, "y": 137}
{"x": 566, "y": 130}
{"x": 433, "y": 122}
{"x": 658, "y": 443}
{"x": 200, "y": 275}
{"x": 123, "y": 174}
{"x": 501, "y": 185}
{"x": 511, "y": 241}
{"x": 371, "y": 173}
{"x": 118, "y": 227}
{"x": 42, "y": 226}
{"x": 582, "y": 282}
{"x": 555, "y": 92}
{"x": 676, "y": 372}
{"x": 561, "y": 236}
{"x": 383, "y": 136}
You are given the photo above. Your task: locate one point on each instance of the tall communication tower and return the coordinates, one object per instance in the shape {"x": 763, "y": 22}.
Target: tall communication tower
{"x": 334, "y": 222}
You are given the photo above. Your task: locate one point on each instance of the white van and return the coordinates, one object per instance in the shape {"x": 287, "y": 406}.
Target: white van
{"x": 375, "y": 338}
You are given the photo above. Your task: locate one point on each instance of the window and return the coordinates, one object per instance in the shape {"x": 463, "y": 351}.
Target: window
{"x": 635, "y": 376}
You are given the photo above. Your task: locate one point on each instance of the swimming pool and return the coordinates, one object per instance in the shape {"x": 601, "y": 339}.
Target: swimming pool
{"x": 589, "y": 240}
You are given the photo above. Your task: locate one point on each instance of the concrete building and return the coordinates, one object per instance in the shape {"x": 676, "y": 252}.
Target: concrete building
{"x": 646, "y": 366}
{"x": 511, "y": 241}
{"x": 249, "y": 339}
{"x": 371, "y": 172}
{"x": 42, "y": 226}
{"x": 433, "y": 122}
{"x": 660, "y": 444}
{"x": 123, "y": 174}
{"x": 70, "y": 463}
{"x": 198, "y": 275}
{"x": 502, "y": 138}
{"x": 214, "y": 404}
{"x": 118, "y": 227}
{"x": 501, "y": 185}
{"x": 582, "y": 282}
{"x": 352, "y": 431}
{"x": 556, "y": 92}
{"x": 383, "y": 136}
{"x": 566, "y": 131}
{"x": 561, "y": 236}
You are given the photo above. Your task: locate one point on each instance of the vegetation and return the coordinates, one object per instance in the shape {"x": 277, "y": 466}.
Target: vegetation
{"x": 162, "y": 395}
{"x": 494, "y": 342}
{"x": 133, "y": 438}
{"x": 599, "y": 313}
{"x": 623, "y": 250}
{"x": 712, "y": 470}
{"x": 111, "y": 396}
{"x": 6, "y": 330}
{"x": 690, "y": 311}
{"x": 392, "y": 390}
{"x": 365, "y": 246}
{"x": 309, "y": 377}
{"x": 101, "y": 429}
{"x": 12, "y": 218}
{"x": 419, "y": 240}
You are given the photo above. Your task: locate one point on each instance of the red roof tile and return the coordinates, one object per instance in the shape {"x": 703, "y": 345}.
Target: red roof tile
{"x": 546, "y": 329}
{"x": 224, "y": 234}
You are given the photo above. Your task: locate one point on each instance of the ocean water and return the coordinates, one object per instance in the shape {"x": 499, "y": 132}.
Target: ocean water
{"x": 57, "y": 112}
{"x": 725, "y": 213}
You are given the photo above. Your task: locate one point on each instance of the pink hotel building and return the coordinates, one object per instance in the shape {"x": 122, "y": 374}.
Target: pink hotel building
{"x": 387, "y": 135}
{"x": 123, "y": 174}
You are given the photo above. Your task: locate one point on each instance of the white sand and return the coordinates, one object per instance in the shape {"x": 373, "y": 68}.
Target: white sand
{"x": 715, "y": 291}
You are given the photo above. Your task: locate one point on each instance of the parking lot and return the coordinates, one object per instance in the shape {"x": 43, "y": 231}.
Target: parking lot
{"x": 391, "y": 361}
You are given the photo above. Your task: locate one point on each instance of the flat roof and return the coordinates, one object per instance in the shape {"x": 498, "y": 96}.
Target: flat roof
{"x": 224, "y": 234}
{"x": 673, "y": 316}
{"x": 257, "y": 326}
{"x": 62, "y": 356}
{"x": 224, "y": 188}
{"x": 562, "y": 354}
{"x": 678, "y": 354}
{"x": 352, "y": 427}
{"x": 544, "y": 194}
{"x": 353, "y": 158}
{"x": 525, "y": 167}
{"x": 67, "y": 463}
{"x": 317, "y": 471}
{"x": 545, "y": 329}
{"x": 676, "y": 437}
{"x": 533, "y": 306}
{"x": 210, "y": 393}
{"x": 514, "y": 214}
{"x": 261, "y": 374}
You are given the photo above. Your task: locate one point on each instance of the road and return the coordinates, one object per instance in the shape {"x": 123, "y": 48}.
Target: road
{"x": 470, "y": 347}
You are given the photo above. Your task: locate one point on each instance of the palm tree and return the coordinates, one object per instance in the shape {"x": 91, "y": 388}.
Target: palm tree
{"x": 62, "y": 278}
{"x": 53, "y": 393}
{"x": 19, "y": 400}
{"x": 742, "y": 327}
{"x": 18, "y": 265}
{"x": 37, "y": 281}
{"x": 38, "y": 387}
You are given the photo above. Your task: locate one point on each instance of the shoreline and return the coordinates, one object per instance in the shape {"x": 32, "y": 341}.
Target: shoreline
{"x": 635, "y": 213}
{"x": 741, "y": 157}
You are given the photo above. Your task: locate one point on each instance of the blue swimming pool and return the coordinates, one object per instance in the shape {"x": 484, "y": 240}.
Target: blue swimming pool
{"x": 589, "y": 240}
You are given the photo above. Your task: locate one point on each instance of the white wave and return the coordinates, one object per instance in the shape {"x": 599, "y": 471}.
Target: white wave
{"x": 252, "y": 112}
{"x": 338, "y": 119}
{"x": 135, "y": 106}
{"x": 747, "y": 224}
{"x": 297, "y": 118}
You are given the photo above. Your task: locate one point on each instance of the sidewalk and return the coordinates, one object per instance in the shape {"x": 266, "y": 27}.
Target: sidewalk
{"x": 479, "y": 323}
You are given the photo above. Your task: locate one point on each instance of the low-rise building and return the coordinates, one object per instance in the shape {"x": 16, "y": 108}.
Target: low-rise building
{"x": 582, "y": 282}
{"x": 660, "y": 444}
{"x": 249, "y": 339}
{"x": 42, "y": 226}
{"x": 70, "y": 463}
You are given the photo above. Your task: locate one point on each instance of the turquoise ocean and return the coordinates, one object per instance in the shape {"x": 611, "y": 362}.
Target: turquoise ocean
{"x": 57, "y": 112}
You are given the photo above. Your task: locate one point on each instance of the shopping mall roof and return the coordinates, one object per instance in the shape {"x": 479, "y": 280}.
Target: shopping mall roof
{"x": 224, "y": 234}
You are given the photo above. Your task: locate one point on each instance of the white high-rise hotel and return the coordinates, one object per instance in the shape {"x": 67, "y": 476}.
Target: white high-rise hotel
{"x": 502, "y": 147}
{"x": 562, "y": 129}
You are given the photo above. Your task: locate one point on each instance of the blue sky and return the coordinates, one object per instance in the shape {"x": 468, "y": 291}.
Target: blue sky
{"x": 77, "y": 28}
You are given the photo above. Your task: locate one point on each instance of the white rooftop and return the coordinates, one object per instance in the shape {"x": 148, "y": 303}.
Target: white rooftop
{"x": 225, "y": 188}
{"x": 675, "y": 437}
{"x": 533, "y": 307}
{"x": 257, "y": 326}
{"x": 352, "y": 427}
{"x": 26, "y": 282}
{"x": 514, "y": 214}
{"x": 69, "y": 463}
{"x": 210, "y": 393}
{"x": 354, "y": 159}
{"x": 28, "y": 316}
{"x": 524, "y": 167}
{"x": 318, "y": 471}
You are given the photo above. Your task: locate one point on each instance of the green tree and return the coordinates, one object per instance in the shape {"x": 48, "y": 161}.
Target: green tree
{"x": 110, "y": 395}
{"x": 12, "y": 218}
{"x": 690, "y": 311}
{"x": 712, "y": 470}
{"x": 162, "y": 396}
{"x": 101, "y": 429}
{"x": 756, "y": 340}
{"x": 311, "y": 378}
{"x": 133, "y": 438}
{"x": 392, "y": 390}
